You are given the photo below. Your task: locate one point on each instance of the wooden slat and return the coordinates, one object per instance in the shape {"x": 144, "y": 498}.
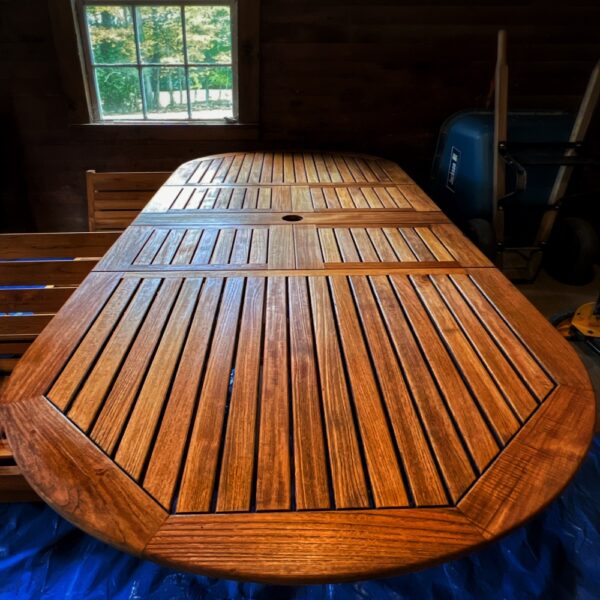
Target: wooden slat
{"x": 165, "y": 197}
{"x": 399, "y": 198}
{"x": 473, "y": 429}
{"x": 169, "y": 247}
{"x": 425, "y": 484}
{"x": 167, "y": 455}
{"x": 347, "y": 245}
{"x": 555, "y": 353}
{"x": 7, "y": 365}
{"x": 364, "y": 245}
{"x": 57, "y": 272}
{"x": 88, "y": 400}
{"x": 384, "y": 472}
{"x": 56, "y": 343}
{"x": 111, "y": 418}
{"x": 13, "y": 328}
{"x": 504, "y": 375}
{"x": 281, "y": 199}
{"x": 300, "y": 199}
{"x": 237, "y": 469}
{"x": 381, "y": 244}
{"x": 310, "y": 462}
{"x": 273, "y": 476}
{"x": 417, "y": 198}
{"x": 114, "y": 219}
{"x": 70, "y": 379}
{"x": 329, "y": 246}
{"x": 15, "y": 347}
{"x": 223, "y": 246}
{"x": 150, "y": 248}
{"x": 401, "y": 248}
{"x": 139, "y": 432}
{"x": 334, "y": 172}
{"x": 372, "y": 198}
{"x": 259, "y": 246}
{"x": 122, "y": 200}
{"x": 281, "y": 253}
{"x": 416, "y": 244}
{"x": 234, "y": 169}
{"x": 498, "y": 412}
{"x": 299, "y": 171}
{"x": 307, "y": 248}
{"x": 358, "y": 198}
{"x": 221, "y": 173}
{"x": 433, "y": 243}
{"x": 504, "y": 336}
{"x": 443, "y": 436}
{"x": 126, "y": 181}
{"x": 188, "y": 246}
{"x": 205, "y": 247}
{"x": 40, "y": 300}
{"x": 358, "y": 218}
{"x": 55, "y": 245}
{"x": 344, "y": 199}
{"x": 348, "y": 477}
{"x": 460, "y": 247}
{"x": 199, "y": 475}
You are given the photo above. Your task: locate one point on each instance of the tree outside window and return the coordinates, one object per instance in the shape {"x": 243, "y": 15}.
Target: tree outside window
{"x": 161, "y": 62}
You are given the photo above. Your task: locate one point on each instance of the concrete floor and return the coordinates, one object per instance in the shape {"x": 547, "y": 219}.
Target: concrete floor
{"x": 551, "y": 297}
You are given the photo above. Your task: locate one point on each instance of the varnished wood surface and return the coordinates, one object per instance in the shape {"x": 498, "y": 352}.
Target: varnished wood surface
{"x": 354, "y": 394}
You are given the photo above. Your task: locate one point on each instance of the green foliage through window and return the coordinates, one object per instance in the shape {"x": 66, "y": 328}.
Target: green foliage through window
{"x": 161, "y": 61}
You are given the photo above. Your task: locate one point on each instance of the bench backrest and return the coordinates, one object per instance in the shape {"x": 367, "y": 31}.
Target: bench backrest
{"x": 115, "y": 199}
{"x": 38, "y": 272}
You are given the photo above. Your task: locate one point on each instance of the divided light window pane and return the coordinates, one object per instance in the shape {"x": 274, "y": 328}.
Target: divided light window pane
{"x": 161, "y": 34}
{"x": 111, "y": 34}
{"x": 208, "y": 30}
{"x": 161, "y": 62}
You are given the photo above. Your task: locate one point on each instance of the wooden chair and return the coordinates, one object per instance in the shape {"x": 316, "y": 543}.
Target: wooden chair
{"x": 38, "y": 272}
{"x": 115, "y": 199}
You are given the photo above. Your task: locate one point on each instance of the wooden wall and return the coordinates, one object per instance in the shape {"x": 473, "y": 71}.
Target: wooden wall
{"x": 377, "y": 76}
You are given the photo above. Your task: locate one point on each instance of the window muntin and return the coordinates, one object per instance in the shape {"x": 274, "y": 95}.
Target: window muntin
{"x": 160, "y": 61}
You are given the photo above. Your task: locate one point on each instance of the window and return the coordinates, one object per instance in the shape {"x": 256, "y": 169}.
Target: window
{"x": 160, "y": 61}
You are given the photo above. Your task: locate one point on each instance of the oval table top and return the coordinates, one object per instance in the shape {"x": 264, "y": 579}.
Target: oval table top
{"x": 294, "y": 368}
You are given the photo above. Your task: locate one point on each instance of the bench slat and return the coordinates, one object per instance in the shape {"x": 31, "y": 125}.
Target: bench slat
{"x": 18, "y": 347}
{"x": 115, "y": 199}
{"x": 41, "y": 300}
{"x": 127, "y": 181}
{"x": 56, "y": 245}
{"x": 59, "y": 272}
{"x": 14, "y": 328}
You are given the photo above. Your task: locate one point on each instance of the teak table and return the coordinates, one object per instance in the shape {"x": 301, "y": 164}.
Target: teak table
{"x": 294, "y": 368}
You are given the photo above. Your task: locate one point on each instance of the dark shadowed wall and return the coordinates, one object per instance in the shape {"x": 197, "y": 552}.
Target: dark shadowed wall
{"x": 377, "y": 76}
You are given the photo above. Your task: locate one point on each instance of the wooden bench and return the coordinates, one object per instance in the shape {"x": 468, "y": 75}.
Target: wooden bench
{"x": 115, "y": 199}
{"x": 38, "y": 273}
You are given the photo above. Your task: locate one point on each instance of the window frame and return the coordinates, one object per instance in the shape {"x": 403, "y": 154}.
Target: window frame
{"x": 88, "y": 67}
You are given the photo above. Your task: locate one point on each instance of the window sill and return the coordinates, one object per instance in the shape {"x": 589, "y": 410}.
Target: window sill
{"x": 167, "y": 130}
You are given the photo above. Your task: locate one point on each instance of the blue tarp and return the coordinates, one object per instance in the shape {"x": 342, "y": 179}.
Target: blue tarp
{"x": 556, "y": 555}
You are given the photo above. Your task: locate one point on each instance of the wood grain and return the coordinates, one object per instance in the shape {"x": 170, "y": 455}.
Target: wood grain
{"x": 90, "y": 492}
{"x": 312, "y": 547}
{"x": 533, "y": 470}
{"x": 351, "y": 393}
